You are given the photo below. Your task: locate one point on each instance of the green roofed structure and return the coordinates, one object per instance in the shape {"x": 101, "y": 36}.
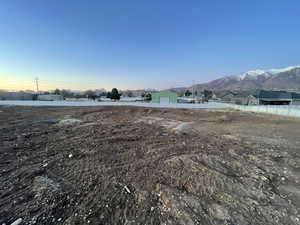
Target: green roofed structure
{"x": 164, "y": 97}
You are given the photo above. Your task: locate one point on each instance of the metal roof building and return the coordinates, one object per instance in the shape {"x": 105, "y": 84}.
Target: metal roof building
{"x": 164, "y": 97}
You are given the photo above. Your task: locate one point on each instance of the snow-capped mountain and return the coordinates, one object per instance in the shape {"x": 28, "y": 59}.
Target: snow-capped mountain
{"x": 284, "y": 78}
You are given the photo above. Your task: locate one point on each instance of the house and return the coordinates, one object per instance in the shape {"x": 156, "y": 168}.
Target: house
{"x": 244, "y": 98}
{"x": 199, "y": 98}
{"x": 238, "y": 97}
{"x": 251, "y": 100}
{"x": 274, "y": 97}
{"x": 227, "y": 96}
{"x": 50, "y": 97}
{"x": 164, "y": 97}
{"x": 295, "y": 98}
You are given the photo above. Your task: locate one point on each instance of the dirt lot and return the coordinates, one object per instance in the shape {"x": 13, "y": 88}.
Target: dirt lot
{"x": 129, "y": 165}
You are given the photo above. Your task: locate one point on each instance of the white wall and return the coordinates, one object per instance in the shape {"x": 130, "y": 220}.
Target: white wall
{"x": 50, "y": 98}
{"x": 284, "y": 110}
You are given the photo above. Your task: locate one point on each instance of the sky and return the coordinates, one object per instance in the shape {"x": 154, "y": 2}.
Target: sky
{"x": 136, "y": 44}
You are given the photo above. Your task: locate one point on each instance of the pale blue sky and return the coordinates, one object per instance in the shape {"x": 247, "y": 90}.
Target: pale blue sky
{"x": 142, "y": 44}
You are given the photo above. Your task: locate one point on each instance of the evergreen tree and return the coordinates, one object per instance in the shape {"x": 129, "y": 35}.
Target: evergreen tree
{"x": 115, "y": 94}
{"x": 148, "y": 97}
{"x": 187, "y": 93}
{"x": 57, "y": 91}
{"x": 108, "y": 94}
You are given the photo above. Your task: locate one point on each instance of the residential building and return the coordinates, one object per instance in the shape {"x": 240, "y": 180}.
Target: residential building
{"x": 295, "y": 98}
{"x": 274, "y": 97}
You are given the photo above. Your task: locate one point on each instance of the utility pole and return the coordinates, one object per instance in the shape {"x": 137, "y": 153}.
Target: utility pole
{"x": 36, "y": 80}
{"x": 193, "y": 89}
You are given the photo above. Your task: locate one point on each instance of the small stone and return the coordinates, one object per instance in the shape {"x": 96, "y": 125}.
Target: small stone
{"x": 127, "y": 189}
{"x": 219, "y": 212}
{"x": 70, "y": 155}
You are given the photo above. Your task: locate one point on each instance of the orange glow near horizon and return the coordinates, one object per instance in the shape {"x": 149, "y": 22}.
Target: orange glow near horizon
{"x": 22, "y": 83}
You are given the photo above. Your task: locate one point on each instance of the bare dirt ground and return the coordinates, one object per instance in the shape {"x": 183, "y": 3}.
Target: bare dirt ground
{"x": 130, "y": 165}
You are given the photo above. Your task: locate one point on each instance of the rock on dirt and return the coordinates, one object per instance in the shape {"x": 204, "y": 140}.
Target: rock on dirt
{"x": 219, "y": 212}
{"x": 42, "y": 184}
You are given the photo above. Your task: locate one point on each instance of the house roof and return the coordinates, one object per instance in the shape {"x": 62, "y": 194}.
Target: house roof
{"x": 238, "y": 94}
{"x": 164, "y": 92}
{"x": 243, "y": 95}
{"x": 275, "y": 94}
{"x": 226, "y": 93}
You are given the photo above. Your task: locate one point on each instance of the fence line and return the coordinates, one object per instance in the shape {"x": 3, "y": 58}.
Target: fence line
{"x": 284, "y": 110}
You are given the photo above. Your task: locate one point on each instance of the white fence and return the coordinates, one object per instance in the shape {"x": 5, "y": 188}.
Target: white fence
{"x": 210, "y": 105}
{"x": 284, "y": 110}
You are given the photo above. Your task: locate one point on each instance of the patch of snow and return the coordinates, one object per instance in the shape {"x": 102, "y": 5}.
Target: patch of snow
{"x": 69, "y": 121}
{"x": 183, "y": 128}
{"x": 253, "y": 74}
{"x": 167, "y": 123}
{"x": 276, "y": 71}
{"x": 250, "y": 74}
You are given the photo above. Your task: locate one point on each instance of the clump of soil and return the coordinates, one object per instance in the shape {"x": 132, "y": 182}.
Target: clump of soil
{"x": 128, "y": 165}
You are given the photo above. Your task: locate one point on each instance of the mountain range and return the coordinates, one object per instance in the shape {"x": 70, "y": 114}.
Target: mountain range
{"x": 285, "y": 79}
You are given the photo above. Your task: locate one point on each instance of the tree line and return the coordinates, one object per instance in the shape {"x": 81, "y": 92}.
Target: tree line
{"x": 114, "y": 94}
